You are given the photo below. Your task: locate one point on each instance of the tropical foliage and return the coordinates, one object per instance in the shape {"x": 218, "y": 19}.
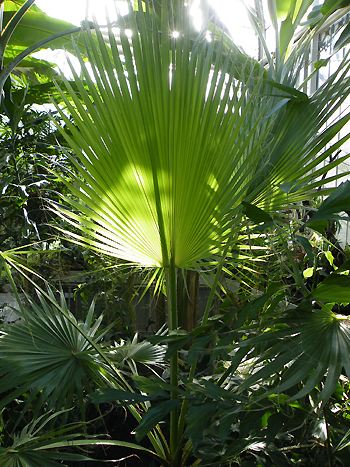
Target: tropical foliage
{"x": 187, "y": 159}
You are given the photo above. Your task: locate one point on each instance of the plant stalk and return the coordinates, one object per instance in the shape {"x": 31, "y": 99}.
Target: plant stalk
{"x": 173, "y": 324}
{"x": 328, "y": 441}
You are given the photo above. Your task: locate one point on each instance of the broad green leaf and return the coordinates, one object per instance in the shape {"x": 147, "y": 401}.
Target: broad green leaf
{"x": 256, "y": 214}
{"x": 286, "y": 34}
{"x": 14, "y": 5}
{"x": 35, "y": 26}
{"x": 305, "y": 243}
{"x": 334, "y": 289}
{"x": 330, "y": 258}
{"x": 338, "y": 201}
{"x": 155, "y": 415}
{"x": 283, "y": 7}
{"x": 329, "y": 6}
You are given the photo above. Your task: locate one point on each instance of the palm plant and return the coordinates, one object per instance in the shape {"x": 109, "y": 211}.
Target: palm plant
{"x": 51, "y": 354}
{"x": 171, "y": 134}
{"x": 182, "y": 174}
{"x": 54, "y": 361}
{"x": 55, "y": 351}
{"x": 38, "y": 446}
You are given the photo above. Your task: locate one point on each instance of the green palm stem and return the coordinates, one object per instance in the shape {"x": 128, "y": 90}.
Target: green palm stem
{"x": 171, "y": 292}
{"x": 205, "y": 318}
{"x": 171, "y": 286}
{"x": 187, "y": 298}
{"x": 328, "y": 439}
{"x": 13, "y": 285}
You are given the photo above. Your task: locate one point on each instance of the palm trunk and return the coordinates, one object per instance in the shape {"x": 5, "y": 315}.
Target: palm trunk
{"x": 187, "y": 291}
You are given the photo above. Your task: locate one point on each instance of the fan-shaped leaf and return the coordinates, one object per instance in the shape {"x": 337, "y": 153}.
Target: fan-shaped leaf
{"x": 45, "y": 352}
{"x": 311, "y": 346}
{"x": 169, "y": 142}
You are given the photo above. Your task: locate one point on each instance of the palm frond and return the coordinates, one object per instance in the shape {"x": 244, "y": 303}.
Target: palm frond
{"x": 305, "y": 348}
{"x": 169, "y": 142}
{"x": 154, "y": 140}
{"x": 45, "y": 352}
{"x": 36, "y": 446}
{"x": 137, "y": 352}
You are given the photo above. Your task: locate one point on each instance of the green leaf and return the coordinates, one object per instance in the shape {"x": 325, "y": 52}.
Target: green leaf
{"x": 198, "y": 420}
{"x": 256, "y": 214}
{"x": 251, "y": 310}
{"x": 141, "y": 352}
{"x": 305, "y": 243}
{"x": 314, "y": 16}
{"x": 338, "y": 201}
{"x": 38, "y": 445}
{"x": 329, "y": 6}
{"x": 309, "y": 272}
{"x": 283, "y": 7}
{"x": 321, "y": 63}
{"x": 117, "y": 395}
{"x": 330, "y": 258}
{"x": 155, "y": 415}
{"x": 286, "y": 34}
{"x": 288, "y": 91}
{"x": 299, "y": 350}
{"x": 163, "y": 165}
{"x": 48, "y": 352}
{"x": 344, "y": 38}
{"x": 334, "y": 289}
{"x": 35, "y": 26}
{"x": 152, "y": 385}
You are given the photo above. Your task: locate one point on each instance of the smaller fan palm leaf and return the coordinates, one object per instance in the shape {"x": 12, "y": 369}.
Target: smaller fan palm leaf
{"x": 307, "y": 348}
{"x": 46, "y": 352}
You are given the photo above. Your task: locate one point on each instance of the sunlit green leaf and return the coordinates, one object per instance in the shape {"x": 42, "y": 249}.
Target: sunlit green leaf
{"x": 166, "y": 158}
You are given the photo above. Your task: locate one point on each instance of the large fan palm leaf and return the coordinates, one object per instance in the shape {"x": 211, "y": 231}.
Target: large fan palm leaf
{"x": 169, "y": 142}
